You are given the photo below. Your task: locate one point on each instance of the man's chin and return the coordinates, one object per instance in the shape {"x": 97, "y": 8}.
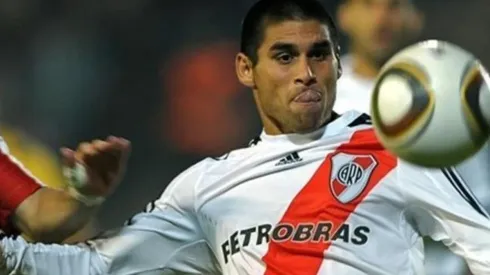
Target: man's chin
{"x": 383, "y": 53}
{"x": 381, "y": 56}
{"x": 307, "y": 107}
{"x": 311, "y": 122}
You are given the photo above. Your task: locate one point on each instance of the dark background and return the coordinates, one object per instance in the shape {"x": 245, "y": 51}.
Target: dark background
{"x": 159, "y": 73}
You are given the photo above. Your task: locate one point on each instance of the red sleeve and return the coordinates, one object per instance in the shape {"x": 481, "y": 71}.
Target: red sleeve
{"x": 16, "y": 184}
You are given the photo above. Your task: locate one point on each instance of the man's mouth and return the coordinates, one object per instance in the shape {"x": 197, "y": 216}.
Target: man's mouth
{"x": 308, "y": 96}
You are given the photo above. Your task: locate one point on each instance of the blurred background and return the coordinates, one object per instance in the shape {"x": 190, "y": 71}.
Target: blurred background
{"x": 160, "y": 73}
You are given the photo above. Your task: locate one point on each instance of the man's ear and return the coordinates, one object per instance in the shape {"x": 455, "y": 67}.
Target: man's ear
{"x": 244, "y": 70}
{"x": 339, "y": 70}
{"x": 339, "y": 64}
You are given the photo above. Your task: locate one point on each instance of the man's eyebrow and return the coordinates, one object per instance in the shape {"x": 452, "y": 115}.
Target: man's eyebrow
{"x": 286, "y": 46}
{"x": 282, "y": 46}
{"x": 321, "y": 44}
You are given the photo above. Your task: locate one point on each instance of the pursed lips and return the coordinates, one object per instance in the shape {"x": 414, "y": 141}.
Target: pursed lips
{"x": 308, "y": 95}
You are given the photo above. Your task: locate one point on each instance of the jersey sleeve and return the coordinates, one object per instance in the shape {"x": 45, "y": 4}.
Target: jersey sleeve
{"x": 16, "y": 184}
{"x": 441, "y": 206}
{"x": 151, "y": 242}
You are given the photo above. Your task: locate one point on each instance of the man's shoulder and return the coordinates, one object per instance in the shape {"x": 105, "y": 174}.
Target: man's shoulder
{"x": 229, "y": 160}
{"x": 235, "y": 154}
{"x": 215, "y": 164}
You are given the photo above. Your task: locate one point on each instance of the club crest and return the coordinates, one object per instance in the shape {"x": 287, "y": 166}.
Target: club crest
{"x": 350, "y": 175}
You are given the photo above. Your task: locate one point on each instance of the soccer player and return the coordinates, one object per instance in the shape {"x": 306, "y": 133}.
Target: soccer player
{"x": 315, "y": 193}
{"x": 376, "y": 30}
{"x": 51, "y": 215}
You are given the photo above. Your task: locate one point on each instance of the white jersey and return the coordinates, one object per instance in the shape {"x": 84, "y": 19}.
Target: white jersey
{"x": 329, "y": 202}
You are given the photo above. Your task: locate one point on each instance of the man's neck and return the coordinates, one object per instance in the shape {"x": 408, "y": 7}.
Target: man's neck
{"x": 364, "y": 66}
{"x": 272, "y": 129}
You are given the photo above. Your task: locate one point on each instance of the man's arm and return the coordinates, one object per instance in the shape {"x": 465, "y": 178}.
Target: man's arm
{"x": 167, "y": 237}
{"x": 51, "y": 215}
{"x": 441, "y": 206}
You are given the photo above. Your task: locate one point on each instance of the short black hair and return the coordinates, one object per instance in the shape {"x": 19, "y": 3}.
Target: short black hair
{"x": 415, "y": 3}
{"x": 266, "y": 12}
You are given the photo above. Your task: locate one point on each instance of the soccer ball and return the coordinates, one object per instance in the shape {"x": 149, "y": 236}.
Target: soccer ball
{"x": 431, "y": 104}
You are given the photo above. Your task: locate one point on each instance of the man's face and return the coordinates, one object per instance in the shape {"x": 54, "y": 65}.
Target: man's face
{"x": 378, "y": 28}
{"x": 295, "y": 76}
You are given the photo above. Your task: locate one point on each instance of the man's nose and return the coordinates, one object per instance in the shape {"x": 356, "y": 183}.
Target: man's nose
{"x": 306, "y": 75}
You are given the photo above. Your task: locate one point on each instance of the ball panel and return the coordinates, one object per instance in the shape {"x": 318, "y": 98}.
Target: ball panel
{"x": 437, "y": 159}
{"x": 471, "y": 87}
{"x": 420, "y": 111}
{"x": 395, "y": 96}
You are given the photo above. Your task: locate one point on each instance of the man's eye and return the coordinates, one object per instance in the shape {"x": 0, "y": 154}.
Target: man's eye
{"x": 320, "y": 56}
{"x": 284, "y": 58}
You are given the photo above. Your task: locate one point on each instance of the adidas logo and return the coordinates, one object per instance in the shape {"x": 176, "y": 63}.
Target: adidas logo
{"x": 291, "y": 158}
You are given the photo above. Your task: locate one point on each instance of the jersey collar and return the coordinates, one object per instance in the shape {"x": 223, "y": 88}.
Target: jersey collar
{"x": 332, "y": 128}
